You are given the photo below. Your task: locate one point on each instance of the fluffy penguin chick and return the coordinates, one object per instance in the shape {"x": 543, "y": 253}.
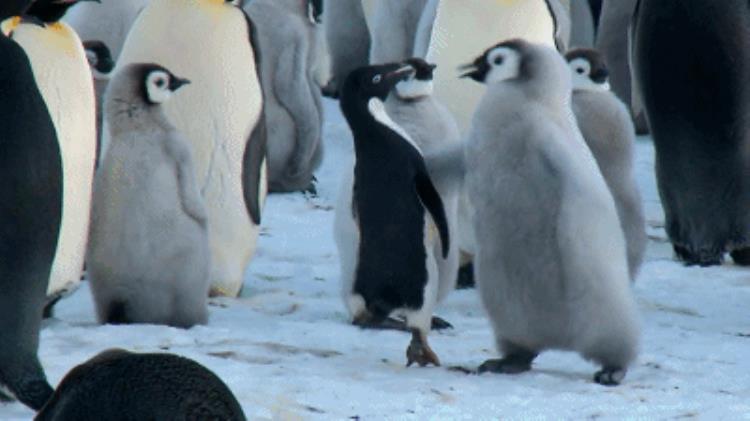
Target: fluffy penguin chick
{"x": 550, "y": 262}
{"x": 608, "y": 130}
{"x": 148, "y": 253}
{"x": 382, "y": 230}
{"x": 119, "y": 385}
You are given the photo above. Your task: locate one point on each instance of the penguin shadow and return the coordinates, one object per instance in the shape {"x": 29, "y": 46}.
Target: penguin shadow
{"x": 566, "y": 376}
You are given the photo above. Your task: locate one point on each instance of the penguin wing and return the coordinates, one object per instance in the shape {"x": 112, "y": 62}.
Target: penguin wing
{"x": 255, "y": 151}
{"x": 192, "y": 201}
{"x": 431, "y": 200}
{"x": 561, "y": 23}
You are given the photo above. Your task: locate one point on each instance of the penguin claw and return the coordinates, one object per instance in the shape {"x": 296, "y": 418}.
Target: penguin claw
{"x": 507, "y": 365}
{"x": 440, "y": 324}
{"x": 420, "y": 352}
{"x": 610, "y": 376}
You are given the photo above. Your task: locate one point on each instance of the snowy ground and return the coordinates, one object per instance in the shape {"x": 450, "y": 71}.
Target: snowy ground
{"x": 287, "y": 352}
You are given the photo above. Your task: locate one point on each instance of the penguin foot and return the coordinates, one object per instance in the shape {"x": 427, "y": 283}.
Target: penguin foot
{"x": 511, "y": 364}
{"x": 440, "y": 324}
{"x": 610, "y": 376}
{"x": 741, "y": 256}
{"x": 701, "y": 258}
{"x": 419, "y": 351}
{"x": 312, "y": 189}
{"x": 465, "y": 279}
{"x": 35, "y": 394}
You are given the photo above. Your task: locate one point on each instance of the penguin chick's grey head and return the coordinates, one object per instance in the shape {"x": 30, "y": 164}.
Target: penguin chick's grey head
{"x": 589, "y": 70}
{"x": 370, "y": 82}
{"x": 538, "y": 69}
{"x": 99, "y": 58}
{"x": 49, "y": 11}
{"x": 418, "y": 84}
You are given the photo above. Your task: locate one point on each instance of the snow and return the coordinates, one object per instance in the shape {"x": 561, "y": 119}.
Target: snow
{"x": 287, "y": 352}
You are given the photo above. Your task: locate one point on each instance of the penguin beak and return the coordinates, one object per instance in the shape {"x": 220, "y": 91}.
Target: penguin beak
{"x": 176, "y": 83}
{"x": 399, "y": 74}
{"x": 477, "y": 72}
{"x": 599, "y": 75}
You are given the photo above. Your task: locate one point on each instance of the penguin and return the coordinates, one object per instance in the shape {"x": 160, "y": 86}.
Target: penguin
{"x": 393, "y": 30}
{"x": 612, "y": 42}
{"x": 107, "y": 23}
{"x": 148, "y": 256}
{"x": 389, "y": 215}
{"x": 348, "y": 39}
{"x": 608, "y": 131}
{"x": 30, "y": 217}
{"x": 288, "y": 33}
{"x": 697, "y": 109}
{"x": 433, "y": 129}
{"x": 101, "y": 62}
{"x": 583, "y": 31}
{"x": 550, "y": 256}
{"x": 221, "y": 115}
{"x": 118, "y": 384}
{"x": 63, "y": 75}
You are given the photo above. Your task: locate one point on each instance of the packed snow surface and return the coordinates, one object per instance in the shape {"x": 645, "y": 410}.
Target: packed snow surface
{"x": 286, "y": 350}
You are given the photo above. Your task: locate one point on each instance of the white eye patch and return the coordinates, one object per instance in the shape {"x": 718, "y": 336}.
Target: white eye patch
{"x": 157, "y": 86}
{"x": 505, "y": 63}
{"x": 580, "y": 69}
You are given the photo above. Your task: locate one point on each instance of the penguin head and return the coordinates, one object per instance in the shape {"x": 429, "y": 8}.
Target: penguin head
{"x": 498, "y": 63}
{"x": 99, "y": 58}
{"x": 419, "y": 83}
{"x": 589, "y": 70}
{"x": 158, "y": 83}
{"x": 377, "y": 81}
{"x": 44, "y": 12}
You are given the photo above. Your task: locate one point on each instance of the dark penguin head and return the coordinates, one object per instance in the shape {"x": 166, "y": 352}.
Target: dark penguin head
{"x": 589, "y": 70}
{"x": 49, "y": 11}
{"x": 157, "y": 83}
{"x": 418, "y": 84}
{"x": 365, "y": 89}
{"x": 100, "y": 58}
{"x": 10, "y": 8}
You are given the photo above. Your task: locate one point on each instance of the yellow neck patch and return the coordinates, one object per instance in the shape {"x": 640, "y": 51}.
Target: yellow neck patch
{"x": 10, "y": 24}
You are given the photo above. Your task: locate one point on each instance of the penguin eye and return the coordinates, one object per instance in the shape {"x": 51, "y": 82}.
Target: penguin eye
{"x": 160, "y": 83}
{"x": 580, "y": 70}
{"x": 499, "y": 60}
{"x": 377, "y": 79}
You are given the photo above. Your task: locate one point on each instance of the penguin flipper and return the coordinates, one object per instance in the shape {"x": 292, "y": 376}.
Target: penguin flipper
{"x": 431, "y": 200}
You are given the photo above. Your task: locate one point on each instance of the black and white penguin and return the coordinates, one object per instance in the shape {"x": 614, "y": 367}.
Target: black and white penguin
{"x": 221, "y": 115}
{"x": 121, "y": 385}
{"x": 691, "y": 61}
{"x": 63, "y": 76}
{"x": 389, "y": 216}
{"x": 30, "y": 215}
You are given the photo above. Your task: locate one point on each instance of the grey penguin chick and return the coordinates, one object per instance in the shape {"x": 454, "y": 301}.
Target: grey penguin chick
{"x": 288, "y": 37}
{"x": 148, "y": 255}
{"x": 550, "y": 255}
{"x": 121, "y": 385}
{"x": 609, "y": 132}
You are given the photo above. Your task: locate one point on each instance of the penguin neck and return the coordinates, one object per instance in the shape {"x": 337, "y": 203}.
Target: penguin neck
{"x": 369, "y": 116}
{"x": 128, "y": 116}
{"x": 48, "y": 13}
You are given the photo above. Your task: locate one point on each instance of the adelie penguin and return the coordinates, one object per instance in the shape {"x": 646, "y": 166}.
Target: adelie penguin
{"x": 63, "y": 76}
{"x": 691, "y": 61}
{"x": 30, "y": 216}
{"x": 121, "y": 385}
{"x": 551, "y": 263}
{"x": 221, "y": 115}
{"x": 389, "y": 215}
{"x": 608, "y": 130}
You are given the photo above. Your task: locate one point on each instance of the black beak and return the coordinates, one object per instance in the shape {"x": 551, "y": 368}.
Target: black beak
{"x": 176, "y": 83}
{"x": 474, "y": 71}
{"x": 399, "y": 74}
{"x": 105, "y": 65}
{"x": 599, "y": 75}
{"x": 33, "y": 20}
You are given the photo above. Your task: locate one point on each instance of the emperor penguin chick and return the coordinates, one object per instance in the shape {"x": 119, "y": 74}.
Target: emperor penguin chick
{"x": 551, "y": 263}
{"x": 386, "y": 239}
{"x": 608, "y": 130}
{"x": 148, "y": 255}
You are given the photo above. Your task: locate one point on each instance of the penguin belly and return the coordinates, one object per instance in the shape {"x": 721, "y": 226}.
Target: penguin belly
{"x": 453, "y": 43}
{"x": 217, "y": 114}
{"x": 64, "y": 79}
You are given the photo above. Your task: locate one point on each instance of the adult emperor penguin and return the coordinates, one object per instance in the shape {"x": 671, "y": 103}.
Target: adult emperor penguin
{"x": 117, "y": 384}
{"x": 63, "y": 75}
{"x": 288, "y": 38}
{"x": 393, "y": 29}
{"x": 143, "y": 269}
{"x": 432, "y": 128}
{"x": 551, "y": 263}
{"x": 608, "y": 130}
{"x": 30, "y": 214}
{"x": 385, "y": 238}
{"x": 221, "y": 115}
{"x": 699, "y": 129}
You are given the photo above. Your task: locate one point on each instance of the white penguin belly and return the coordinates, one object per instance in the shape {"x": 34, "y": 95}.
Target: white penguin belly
{"x": 453, "y": 43}
{"x": 64, "y": 79}
{"x": 208, "y": 42}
